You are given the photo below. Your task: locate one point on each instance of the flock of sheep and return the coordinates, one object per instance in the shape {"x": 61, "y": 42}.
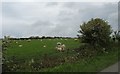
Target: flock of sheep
{"x": 60, "y": 47}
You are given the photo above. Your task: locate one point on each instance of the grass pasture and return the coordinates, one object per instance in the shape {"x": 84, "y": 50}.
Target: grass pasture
{"x": 35, "y": 49}
{"x": 48, "y": 59}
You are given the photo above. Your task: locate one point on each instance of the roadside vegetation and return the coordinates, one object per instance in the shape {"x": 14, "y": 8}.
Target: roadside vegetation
{"x": 0, "y": 42}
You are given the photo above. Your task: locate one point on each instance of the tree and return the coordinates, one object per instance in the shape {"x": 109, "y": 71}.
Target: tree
{"x": 116, "y": 35}
{"x": 95, "y": 32}
{"x": 43, "y": 37}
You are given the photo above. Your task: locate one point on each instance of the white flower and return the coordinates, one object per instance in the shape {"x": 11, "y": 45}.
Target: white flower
{"x": 104, "y": 49}
{"x": 32, "y": 60}
{"x": 41, "y": 63}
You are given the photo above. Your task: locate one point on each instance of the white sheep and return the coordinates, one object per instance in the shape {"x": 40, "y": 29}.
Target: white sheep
{"x": 61, "y": 39}
{"x": 41, "y": 40}
{"x": 44, "y": 46}
{"x": 16, "y": 42}
{"x": 66, "y": 39}
{"x": 60, "y": 47}
{"x": 29, "y": 40}
{"x": 63, "y": 47}
{"x": 20, "y": 45}
{"x": 75, "y": 39}
{"x": 58, "y": 43}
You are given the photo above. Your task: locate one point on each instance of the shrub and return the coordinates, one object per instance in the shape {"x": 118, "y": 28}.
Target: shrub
{"x": 95, "y": 32}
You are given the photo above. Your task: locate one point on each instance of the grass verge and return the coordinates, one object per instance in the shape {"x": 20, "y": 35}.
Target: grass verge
{"x": 95, "y": 64}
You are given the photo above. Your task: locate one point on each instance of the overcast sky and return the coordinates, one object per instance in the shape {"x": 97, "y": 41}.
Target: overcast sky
{"x": 24, "y": 19}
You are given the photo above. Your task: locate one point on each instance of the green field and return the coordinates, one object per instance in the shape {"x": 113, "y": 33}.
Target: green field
{"x": 18, "y": 58}
{"x": 35, "y": 49}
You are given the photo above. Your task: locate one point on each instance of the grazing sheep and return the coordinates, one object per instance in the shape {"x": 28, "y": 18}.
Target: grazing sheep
{"x": 20, "y": 45}
{"x": 60, "y": 47}
{"x": 63, "y": 47}
{"x": 66, "y": 39}
{"x": 16, "y": 42}
{"x": 41, "y": 40}
{"x": 61, "y": 39}
{"x": 75, "y": 39}
{"x": 44, "y": 46}
{"x": 29, "y": 40}
{"x": 58, "y": 43}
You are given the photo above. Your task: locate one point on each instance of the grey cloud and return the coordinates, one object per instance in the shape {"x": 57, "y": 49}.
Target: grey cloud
{"x": 85, "y": 12}
{"x": 70, "y": 4}
{"x": 9, "y": 11}
{"x": 51, "y": 4}
{"x": 16, "y": 31}
{"x": 61, "y": 30}
{"x": 105, "y": 11}
{"x": 42, "y": 23}
{"x": 41, "y": 28}
{"x": 119, "y": 16}
{"x": 63, "y": 19}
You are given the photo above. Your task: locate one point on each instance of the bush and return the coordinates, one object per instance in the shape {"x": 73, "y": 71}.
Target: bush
{"x": 96, "y": 33}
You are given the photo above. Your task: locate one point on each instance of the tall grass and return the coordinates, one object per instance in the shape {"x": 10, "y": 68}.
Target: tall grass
{"x": 0, "y": 42}
{"x": 95, "y": 64}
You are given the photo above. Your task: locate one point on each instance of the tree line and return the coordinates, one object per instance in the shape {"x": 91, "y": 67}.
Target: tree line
{"x": 37, "y": 37}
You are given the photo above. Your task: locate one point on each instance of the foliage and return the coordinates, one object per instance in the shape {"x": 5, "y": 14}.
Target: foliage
{"x": 116, "y": 36}
{"x": 96, "y": 32}
{"x": 0, "y": 42}
{"x": 5, "y": 42}
{"x": 96, "y": 64}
